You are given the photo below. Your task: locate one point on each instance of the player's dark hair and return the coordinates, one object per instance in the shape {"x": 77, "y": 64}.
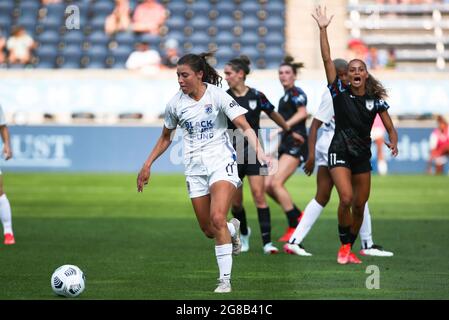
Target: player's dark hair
{"x": 198, "y": 62}
{"x": 290, "y": 61}
{"x": 240, "y": 63}
{"x": 373, "y": 87}
{"x": 340, "y": 64}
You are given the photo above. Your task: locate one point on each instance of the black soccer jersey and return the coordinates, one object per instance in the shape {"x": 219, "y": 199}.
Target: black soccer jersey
{"x": 293, "y": 99}
{"x": 254, "y": 101}
{"x": 354, "y": 117}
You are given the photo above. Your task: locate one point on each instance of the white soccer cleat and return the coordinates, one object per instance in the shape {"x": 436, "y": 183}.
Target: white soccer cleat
{"x": 236, "y": 243}
{"x": 296, "y": 249}
{"x": 382, "y": 167}
{"x": 224, "y": 286}
{"x": 270, "y": 249}
{"x": 376, "y": 251}
{"x": 244, "y": 238}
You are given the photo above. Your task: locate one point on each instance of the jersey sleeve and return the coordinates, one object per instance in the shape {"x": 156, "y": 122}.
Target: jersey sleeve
{"x": 381, "y": 105}
{"x": 299, "y": 98}
{"x": 265, "y": 104}
{"x": 2, "y": 117}
{"x": 228, "y": 105}
{"x": 170, "y": 118}
{"x": 325, "y": 110}
{"x": 336, "y": 87}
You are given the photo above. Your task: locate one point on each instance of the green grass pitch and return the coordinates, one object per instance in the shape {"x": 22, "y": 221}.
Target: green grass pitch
{"x": 149, "y": 246}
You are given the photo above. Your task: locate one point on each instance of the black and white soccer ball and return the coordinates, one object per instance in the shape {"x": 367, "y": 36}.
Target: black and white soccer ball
{"x": 68, "y": 281}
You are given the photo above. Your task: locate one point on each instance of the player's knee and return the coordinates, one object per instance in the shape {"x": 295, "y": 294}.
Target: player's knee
{"x": 346, "y": 200}
{"x": 259, "y": 200}
{"x": 276, "y": 184}
{"x": 323, "y": 198}
{"x": 218, "y": 222}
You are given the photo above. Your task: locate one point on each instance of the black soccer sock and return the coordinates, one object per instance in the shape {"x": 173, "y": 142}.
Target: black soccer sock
{"x": 241, "y": 216}
{"x": 292, "y": 217}
{"x": 344, "y": 234}
{"x": 265, "y": 224}
{"x": 352, "y": 238}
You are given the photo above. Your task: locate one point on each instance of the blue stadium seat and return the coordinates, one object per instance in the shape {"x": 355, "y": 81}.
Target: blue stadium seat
{"x": 275, "y": 8}
{"x": 46, "y": 56}
{"x": 97, "y": 23}
{"x": 250, "y": 23}
{"x": 29, "y": 6}
{"x": 223, "y": 55}
{"x": 49, "y": 37}
{"x": 6, "y": 6}
{"x": 224, "y": 38}
{"x": 126, "y": 38}
{"x": 225, "y": 23}
{"x": 249, "y": 8}
{"x": 176, "y": 9}
{"x": 200, "y": 8}
{"x": 199, "y": 38}
{"x": 71, "y": 57}
{"x": 105, "y": 7}
{"x": 120, "y": 55}
{"x": 175, "y": 23}
{"x": 200, "y": 22}
{"x": 226, "y": 8}
{"x": 274, "y": 39}
{"x": 56, "y": 10}
{"x": 97, "y": 57}
{"x": 52, "y": 22}
{"x": 252, "y": 53}
{"x": 249, "y": 38}
{"x": 273, "y": 55}
{"x": 274, "y": 23}
{"x": 178, "y": 35}
{"x": 73, "y": 37}
{"x": 152, "y": 39}
{"x": 98, "y": 37}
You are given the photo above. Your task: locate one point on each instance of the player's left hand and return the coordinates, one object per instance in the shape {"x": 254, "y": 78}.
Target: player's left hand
{"x": 393, "y": 148}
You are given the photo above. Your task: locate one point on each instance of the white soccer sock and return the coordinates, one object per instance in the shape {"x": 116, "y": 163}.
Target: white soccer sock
{"x": 231, "y": 229}
{"x": 224, "y": 260}
{"x": 311, "y": 213}
{"x": 5, "y": 214}
{"x": 365, "y": 229}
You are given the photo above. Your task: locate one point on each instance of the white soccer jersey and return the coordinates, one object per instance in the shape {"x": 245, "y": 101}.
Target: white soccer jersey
{"x": 206, "y": 142}
{"x": 325, "y": 114}
{"x": 2, "y": 117}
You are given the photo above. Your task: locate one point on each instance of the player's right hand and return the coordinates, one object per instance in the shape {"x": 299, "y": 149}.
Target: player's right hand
{"x": 309, "y": 166}
{"x": 143, "y": 178}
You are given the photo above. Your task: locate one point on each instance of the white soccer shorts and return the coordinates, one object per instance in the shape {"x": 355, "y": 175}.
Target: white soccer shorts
{"x": 199, "y": 186}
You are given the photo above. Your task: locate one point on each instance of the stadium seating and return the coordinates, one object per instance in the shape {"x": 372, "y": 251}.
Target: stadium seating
{"x": 198, "y": 25}
{"x": 418, "y": 33}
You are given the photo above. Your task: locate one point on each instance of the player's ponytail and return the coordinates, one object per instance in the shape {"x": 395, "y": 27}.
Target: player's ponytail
{"x": 198, "y": 62}
{"x": 240, "y": 63}
{"x": 374, "y": 88}
{"x": 290, "y": 61}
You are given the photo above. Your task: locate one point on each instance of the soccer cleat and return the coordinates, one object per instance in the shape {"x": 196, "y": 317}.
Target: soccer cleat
{"x": 236, "y": 243}
{"x": 298, "y": 249}
{"x": 287, "y": 235}
{"x": 354, "y": 259}
{"x": 343, "y": 253}
{"x": 244, "y": 238}
{"x": 376, "y": 251}
{"x": 9, "y": 238}
{"x": 224, "y": 286}
{"x": 270, "y": 249}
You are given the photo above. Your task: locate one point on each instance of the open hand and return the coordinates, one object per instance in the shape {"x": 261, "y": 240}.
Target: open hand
{"x": 321, "y": 17}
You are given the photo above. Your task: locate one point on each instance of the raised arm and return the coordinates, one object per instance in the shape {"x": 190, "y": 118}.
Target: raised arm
{"x": 323, "y": 21}
{"x": 162, "y": 144}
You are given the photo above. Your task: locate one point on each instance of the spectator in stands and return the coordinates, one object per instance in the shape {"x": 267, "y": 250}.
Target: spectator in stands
{"x": 439, "y": 146}
{"x": 144, "y": 59}
{"x": 391, "y": 59}
{"x": 171, "y": 54}
{"x": 2, "y": 48}
{"x": 119, "y": 19}
{"x": 19, "y": 46}
{"x": 357, "y": 49}
{"x": 47, "y": 2}
{"x": 376, "y": 59}
{"x": 149, "y": 16}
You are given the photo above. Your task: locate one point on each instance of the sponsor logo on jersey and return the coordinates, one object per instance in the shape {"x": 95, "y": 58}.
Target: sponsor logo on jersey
{"x": 369, "y": 104}
{"x": 286, "y": 98}
{"x": 252, "y": 104}
{"x": 233, "y": 104}
{"x": 208, "y": 108}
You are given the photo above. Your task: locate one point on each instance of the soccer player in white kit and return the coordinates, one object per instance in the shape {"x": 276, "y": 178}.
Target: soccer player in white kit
{"x": 318, "y": 154}
{"x": 5, "y": 208}
{"x": 201, "y": 109}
